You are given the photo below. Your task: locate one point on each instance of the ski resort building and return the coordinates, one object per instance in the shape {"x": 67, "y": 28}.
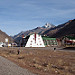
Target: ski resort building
{"x": 33, "y": 40}
{"x": 69, "y": 41}
{"x": 36, "y": 40}
{"x": 49, "y": 41}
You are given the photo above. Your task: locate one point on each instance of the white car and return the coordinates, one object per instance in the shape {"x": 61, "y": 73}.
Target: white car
{"x": 2, "y": 44}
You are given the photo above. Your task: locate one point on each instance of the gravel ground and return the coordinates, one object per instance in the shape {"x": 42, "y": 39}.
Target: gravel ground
{"x": 9, "y": 68}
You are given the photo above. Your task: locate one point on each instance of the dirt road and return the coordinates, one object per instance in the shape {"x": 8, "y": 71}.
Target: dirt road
{"x": 9, "y": 68}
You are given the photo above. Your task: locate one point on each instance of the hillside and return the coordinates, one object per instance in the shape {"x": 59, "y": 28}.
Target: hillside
{"x": 67, "y": 28}
{"x": 39, "y": 30}
{"x": 3, "y": 35}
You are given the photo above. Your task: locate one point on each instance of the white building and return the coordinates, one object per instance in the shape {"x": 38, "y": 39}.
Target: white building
{"x": 33, "y": 40}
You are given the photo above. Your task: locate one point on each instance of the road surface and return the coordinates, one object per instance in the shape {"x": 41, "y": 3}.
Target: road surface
{"x": 9, "y": 68}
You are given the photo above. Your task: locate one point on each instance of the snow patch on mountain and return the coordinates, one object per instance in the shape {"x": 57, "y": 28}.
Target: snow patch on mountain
{"x": 48, "y": 25}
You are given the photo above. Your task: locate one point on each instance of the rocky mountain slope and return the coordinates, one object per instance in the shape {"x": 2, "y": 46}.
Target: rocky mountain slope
{"x": 39, "y": 30}
{"x": 3, "y": 35}
{"x": 67, "y": 28}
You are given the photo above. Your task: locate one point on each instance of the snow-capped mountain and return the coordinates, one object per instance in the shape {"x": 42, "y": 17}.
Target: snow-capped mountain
{"x": 39, "y": 30}
{"x": 67, "y": 28}
{"x": 48, "y": 25}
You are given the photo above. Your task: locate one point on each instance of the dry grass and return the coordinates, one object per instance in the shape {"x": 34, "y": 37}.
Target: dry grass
{"x": 42, "y": 62}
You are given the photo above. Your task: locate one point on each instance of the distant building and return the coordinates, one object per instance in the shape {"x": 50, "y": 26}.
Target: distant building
{"x": 2, "y": 44}
{"x": 69, "y": 41}
{"x": 36, "y": 40}
{"x": 49, "y": 41}
{"x": 13, "y": 44}
{"x": 33, "y": 40}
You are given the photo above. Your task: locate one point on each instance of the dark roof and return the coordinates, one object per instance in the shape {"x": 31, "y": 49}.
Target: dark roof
{"x": 70, "y": 37}
{"x": 27, "y": 37}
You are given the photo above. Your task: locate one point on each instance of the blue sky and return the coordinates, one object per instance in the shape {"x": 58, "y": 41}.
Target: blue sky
{"x": 22, "y": 15}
